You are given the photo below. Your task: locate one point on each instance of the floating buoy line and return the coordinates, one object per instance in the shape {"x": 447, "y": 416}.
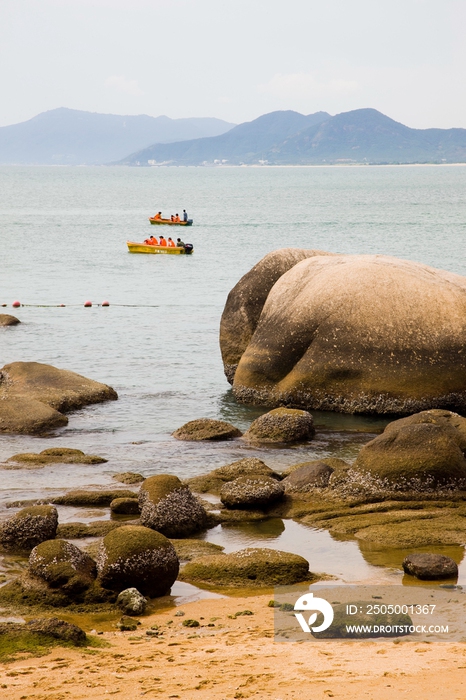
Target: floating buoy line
{"x": 87, "y": 304}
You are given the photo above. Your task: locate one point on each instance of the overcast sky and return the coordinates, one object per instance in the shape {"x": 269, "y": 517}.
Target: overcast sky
{"x": 235, "y": 59}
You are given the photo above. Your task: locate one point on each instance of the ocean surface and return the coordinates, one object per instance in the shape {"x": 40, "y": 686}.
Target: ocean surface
{"x": 63, "y": 234}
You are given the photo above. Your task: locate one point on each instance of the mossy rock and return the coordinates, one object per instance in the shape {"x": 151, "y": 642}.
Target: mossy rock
{"x": 206, "y": 429}
{"x": 125, "y": 506}
{"x": 54, "y": 455}
{"x": 417, "y": 457}
{"x": 247, "y": 568}
{"x": 62, "y": 565}
{"x": 92, "y": 498}
{"x": 187, "y": 550}
{"x": 137, "y": 557}
{"x": 30, "y": 595}
{"x": 128, "y": 478}
{"x": 239, "y": 515}
{"x": 435, "y": 416}
{"x": 251, "y": 492}
{"x": 214, "y": 480}
{"x": 77, "y": 531}
{"x": 169, "y": 507}
{"x": 282, "y": 425}
{"x": 36, "y": 637}
{"x": 28, "y": 528}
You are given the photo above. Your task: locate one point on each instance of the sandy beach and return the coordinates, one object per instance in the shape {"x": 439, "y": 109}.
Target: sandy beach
{"x": 230, "y": 656}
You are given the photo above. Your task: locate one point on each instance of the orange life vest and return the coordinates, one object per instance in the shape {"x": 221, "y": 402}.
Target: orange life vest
{"x": 177, "y": 219}
{"x": 162, "y": 241}
{"x": 157, "y": 216}
{"x": 171, "y": 244}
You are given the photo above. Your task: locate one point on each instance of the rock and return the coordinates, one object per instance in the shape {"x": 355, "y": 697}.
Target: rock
{"x": 125, "y": 506}
{"x": 169, "y": 507}
{"x": 351, "y": 333}
{"x": 417, "y": 457}
{"x": 76, "y": 531}
{"x": 28, "y": 417}
{"x": 8, "y": 320}
{"x": 240, "y": 516}
{"x": 308, "y": 476}
{"x": 29, "y": 527}
{"x": 126, "y": 624}
{"x": 251, "y": 492}
{"x": 131, "y": 602}
{"x": 430, "y": 567}
{"x": 436, "y": 416}
{"x": 60, "y": 455}
{"x": 62, "y": 565}
{"x": 246, "y": 301}
{"x": 138, "y": 557}
{"x": 50, "y": 627}
{"x": 248, "y": 568}
{"x": 193, "y": 549}
{"x": 214, "y": 480}
{"x": 92, "y": 498}
{"x": 33, "y": 395}
{"x": 128, "y": 478}
{"x": 282, "y": 425}
{"x": 333, "y": 462}
{"x": 206, "y": 429}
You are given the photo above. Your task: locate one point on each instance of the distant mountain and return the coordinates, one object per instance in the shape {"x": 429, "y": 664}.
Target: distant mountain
{"x": 72, "y": 137}
{"x": 247, "y": 142}
{"x": 289, "y": 138}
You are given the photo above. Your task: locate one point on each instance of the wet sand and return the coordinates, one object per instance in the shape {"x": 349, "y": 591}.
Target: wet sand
{"x": 236, "y": 657}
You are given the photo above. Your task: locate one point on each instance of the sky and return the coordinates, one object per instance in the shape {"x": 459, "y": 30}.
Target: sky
{"x": 235, "y": 59}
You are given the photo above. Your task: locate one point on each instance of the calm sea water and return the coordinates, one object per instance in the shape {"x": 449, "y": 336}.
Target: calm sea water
{"x": 62, "y": 240}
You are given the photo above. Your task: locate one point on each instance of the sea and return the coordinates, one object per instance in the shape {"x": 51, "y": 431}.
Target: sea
{"x": 63, "y": 233}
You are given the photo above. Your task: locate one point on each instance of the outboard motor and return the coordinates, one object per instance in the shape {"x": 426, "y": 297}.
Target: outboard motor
{"x": 188, "y": 248}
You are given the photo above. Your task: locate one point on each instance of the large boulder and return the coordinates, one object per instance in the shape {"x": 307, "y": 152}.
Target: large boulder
{"x": 251, "y": 492}
{"x": 282, "y": 425}
{"x": 169, "y": 507}
{"x": 29, "y": 527}
{"x": 214, "y": 480}
{"x": 351, "y": 333}
{"x": 203, "y": 429}
{"x": 246, "y": 300}
{"x": 435, "y": 416}
{"x": 429, "y": 566}
{"x": 137, "y": 557}
{"x": 34, "y": 395}
{"x": 248, "y": 568}
{"x": 415, "y": 457}
{"x": 62, "y": 565}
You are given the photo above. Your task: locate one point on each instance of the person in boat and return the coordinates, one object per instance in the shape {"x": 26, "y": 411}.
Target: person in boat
{"x": 153, "y": 241}
{"x": 162, "y": 241}
{"x": 171, "y": 243}
{"x": 158, "y": 216}
{"x": 185, "y": 215}
{"x": 147, "y": 241}
{"x": 180, "y": 243}
{"x": 172, "y": 218}
{"x": 177, "y": 219}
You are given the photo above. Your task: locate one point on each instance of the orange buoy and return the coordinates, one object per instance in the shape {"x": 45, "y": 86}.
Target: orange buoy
{"x": 16, "y": 304}
{"x": 105, "y": 303}
{"x": 87, "y": 303}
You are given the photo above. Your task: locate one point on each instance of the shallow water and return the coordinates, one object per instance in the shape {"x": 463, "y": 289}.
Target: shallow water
{"x": 62, "y": 240}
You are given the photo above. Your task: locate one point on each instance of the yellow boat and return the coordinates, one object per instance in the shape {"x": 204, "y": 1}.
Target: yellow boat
{"x": 158, "y": 249}
{"x": 169, "y": 222}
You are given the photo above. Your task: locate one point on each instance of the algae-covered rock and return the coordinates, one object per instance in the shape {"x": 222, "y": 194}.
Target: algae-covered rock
{"x": 351, "y": 333}
{"x": 187, "y": 550}
{"x": 251, "y": 492}
{"x": 8, "y": 320}
{"x": 131, "y": 602}
{"x": 137, "y": 557}
{"x": 128, "y": 478}
{"x": 282, "y": 425}
{"x": 247, "y": 568}
{"x": 430, "y": 567}
{"x": 308, "y": 476}
{"x": 418, "y": 457}
{"x": 62, "y": 565}
{"x": 60, "y": 455}
{"x": 207, "y": 429}
{"x": 92, "y": 498}
{"x": 435, "y": 416}
{"x": 97, "y": 528}
{"x": 29, "y": 527}
{"x": 37, "y": 636}
{"x": 168, "y": 506}
{"x": 214, "y": 480}
{"x": 125, "y": 506}
{"x": 238, "y": 515}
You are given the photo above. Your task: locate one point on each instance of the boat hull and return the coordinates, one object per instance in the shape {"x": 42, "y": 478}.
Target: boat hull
{"x": 155, "y": 249}
{"x": 168, "y": 222}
